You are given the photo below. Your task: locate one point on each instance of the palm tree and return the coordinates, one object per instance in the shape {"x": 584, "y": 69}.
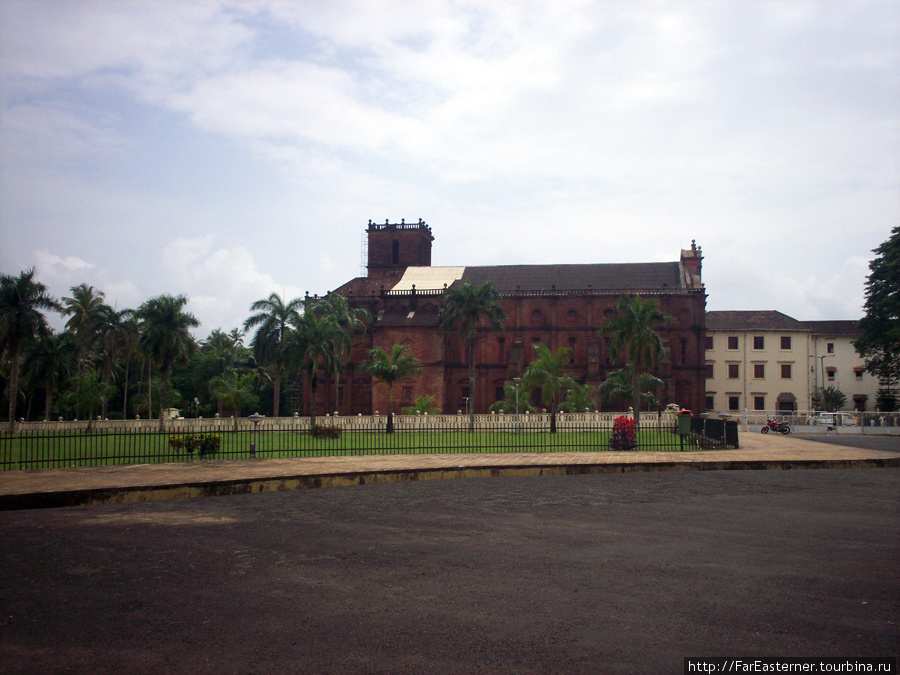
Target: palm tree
{"x": 349, "y": 320}
{"x": 22, "y": 300}
{"x": 234, "y": 389}
{"x": 515, "y": 399}
{"x": 545, "y": 372}
{"x": 165, "y": 337}
{"x": 311, "y": 340}
{"x": 115, "y": 329}
{"x": 48, "y": 364}
{"x": 634, "y": 337}
{"x": 464, "y": 308}
{"x": 88, "y": 393}
{"x": 619, "y": 385}
{"x": 579, "y": 398}
{"x": 86, "y": 311}
{"x": 388, "y": 368}
{"x": 274, "y": 319}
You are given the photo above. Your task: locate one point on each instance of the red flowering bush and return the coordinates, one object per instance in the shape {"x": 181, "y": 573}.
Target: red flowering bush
{"x": 622, "y": 437}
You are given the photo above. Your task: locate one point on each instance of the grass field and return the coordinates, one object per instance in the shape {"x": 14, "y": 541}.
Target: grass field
{"x": 38, "y": 451}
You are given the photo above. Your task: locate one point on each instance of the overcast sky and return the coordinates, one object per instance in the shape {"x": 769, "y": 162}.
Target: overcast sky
{"x": 225, "y": 150}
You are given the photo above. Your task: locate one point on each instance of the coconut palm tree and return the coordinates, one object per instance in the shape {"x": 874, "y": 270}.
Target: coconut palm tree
{"x": 48, "y": 364}
{"x": 23, "y": 301}
{"x": 114, "y": 329}
{"x": 546, "y": 373}
{"x": 311, "y": 341}
{"x": 87, "y": 312}
{"x": 388, "y": 368}
{"x": 349, "y": 319}
{"x": 235, "y": 390}
{"x": 273, "y": 320}
{"x": 464, "y": 308}
{"x": 165, "y": 337}
{"x": 634, "y": 337}
{"x": 579, "y": 398}
{"x": 619, "y": 385}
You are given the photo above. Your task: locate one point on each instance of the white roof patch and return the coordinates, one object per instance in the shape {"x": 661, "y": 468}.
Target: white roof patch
{"x": 428, "y": 278}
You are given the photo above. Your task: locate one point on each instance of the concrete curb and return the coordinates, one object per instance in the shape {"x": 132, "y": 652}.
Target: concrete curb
{"x": 131, "y": 494}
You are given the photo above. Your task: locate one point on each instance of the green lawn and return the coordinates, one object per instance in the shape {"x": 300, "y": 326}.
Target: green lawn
{"x": 79, "y": 449}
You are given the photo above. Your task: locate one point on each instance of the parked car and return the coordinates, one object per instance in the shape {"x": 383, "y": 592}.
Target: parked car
{"x": 835, "y": 419}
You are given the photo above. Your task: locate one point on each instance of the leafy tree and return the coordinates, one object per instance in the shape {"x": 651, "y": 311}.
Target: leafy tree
{"x": 312, "y": 340}
{"x": 464, "y": 308}
{"x": 336, "y": 308}
{"x": 619, "y": 385}
{"x": 546, "y": 373}
{"x": 388, "y": 368}
{"x": 235, "y": 390}
{"x": 117, "y": 332}
{"x": 885, "y": 400}
{"x": 86, "y": 311}
{"x": 515, "y": 399}
{"x": 22, "y": 303}
{"x": 273, "y": 321}
{"x": 88, "y": 393}
{"x": 422, "y": 405}
{"x": 829, "y": 399}
{"x": 579, "y": 398}
{"x": 49, "y": 363}
{"x": 879, "y": 344}
{"x": 165, "y": 337}
{"x": 634, "y": 337}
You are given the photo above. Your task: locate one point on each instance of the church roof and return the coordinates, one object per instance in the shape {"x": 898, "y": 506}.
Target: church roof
{"x": 601, "y": 277}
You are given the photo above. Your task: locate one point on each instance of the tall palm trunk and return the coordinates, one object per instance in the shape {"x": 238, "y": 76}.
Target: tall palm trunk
{"x": 636, "y": 397}
{"x": 276, "y": 386}
{"x": 13, "y": 384}
{"x": 471, "y": 400}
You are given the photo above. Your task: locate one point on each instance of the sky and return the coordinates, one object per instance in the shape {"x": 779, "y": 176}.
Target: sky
{"x": 227, "y": 150}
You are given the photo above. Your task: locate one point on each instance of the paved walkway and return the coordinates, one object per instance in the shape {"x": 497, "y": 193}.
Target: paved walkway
{"x": 152, "y": 482}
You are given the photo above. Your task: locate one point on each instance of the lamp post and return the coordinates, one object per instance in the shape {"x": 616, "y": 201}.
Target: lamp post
{"x": 255, "y": 418}
{"x": 517, "y": 383}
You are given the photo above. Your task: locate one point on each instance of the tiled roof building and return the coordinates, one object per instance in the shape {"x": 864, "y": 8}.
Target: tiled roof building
{"x": 557, "y": 305}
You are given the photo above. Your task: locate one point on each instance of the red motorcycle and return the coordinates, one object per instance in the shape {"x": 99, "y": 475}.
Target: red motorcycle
{"x": 781, "y": 427}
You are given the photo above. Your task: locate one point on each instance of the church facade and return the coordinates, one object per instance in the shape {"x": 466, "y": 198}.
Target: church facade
{"x": 557, "y": 305}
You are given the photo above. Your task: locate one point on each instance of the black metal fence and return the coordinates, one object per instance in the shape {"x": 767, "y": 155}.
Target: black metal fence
{"x": 75, "y": 444}
{"x": 714, "y": 433}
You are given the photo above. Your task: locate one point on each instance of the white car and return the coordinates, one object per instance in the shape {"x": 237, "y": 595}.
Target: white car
{"x": 836, "y": 419}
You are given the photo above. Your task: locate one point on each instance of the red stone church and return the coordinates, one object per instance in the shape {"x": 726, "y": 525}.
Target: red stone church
{"x": 557, "y": 305}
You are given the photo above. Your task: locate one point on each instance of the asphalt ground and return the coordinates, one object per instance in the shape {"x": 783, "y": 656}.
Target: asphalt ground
{"x": 604, "y": 573}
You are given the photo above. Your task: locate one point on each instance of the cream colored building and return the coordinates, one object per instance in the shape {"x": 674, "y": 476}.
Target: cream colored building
{"x": 756, "y": 361}
{"x": 838, "y": 365}
{"x": 767, "y": 361}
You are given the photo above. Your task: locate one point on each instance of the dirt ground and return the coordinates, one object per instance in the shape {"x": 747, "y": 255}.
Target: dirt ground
{"x": 614, "y": 573}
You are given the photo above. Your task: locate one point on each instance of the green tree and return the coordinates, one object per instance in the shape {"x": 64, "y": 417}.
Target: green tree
{"x": 579, "y": 399}
{"x": 464, "y": 308}
{"x": 634, "y": 337}
{"x": 86, "y": 311}
{"x": 388, "y": 368}
{"x": 235, "y": 390}
{"x": 273, "y": 320}
{"x": 515, "y": 399}
{"x": 829, "y": 399}
{"x": 117, "y": 332}
{"x": 166, "y": 338}
{"x": 49, "y": 363}
{"x": 619, "y": 386}
{"x": 879, "y": 344}
{"x": 546, "y": 373}
{"x": 336, "y": 308}
{"x": 23, "y": 301}
{"x": 422, "y": 405}
{"x": 88, "y": 393}
{"x": 312, "y": 341}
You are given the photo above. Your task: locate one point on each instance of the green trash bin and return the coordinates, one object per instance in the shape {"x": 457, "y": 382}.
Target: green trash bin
{"x": 684, "y": 422}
